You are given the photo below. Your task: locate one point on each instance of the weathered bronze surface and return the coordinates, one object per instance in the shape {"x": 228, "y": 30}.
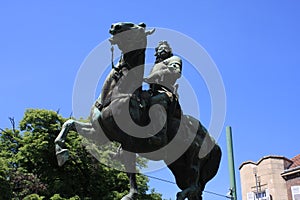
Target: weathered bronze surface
{"x": 122, "y": 91}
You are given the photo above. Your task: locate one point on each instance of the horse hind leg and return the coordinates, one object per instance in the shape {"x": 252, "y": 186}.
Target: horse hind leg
{"x": 196, "y": 196}
{"x": 210, "y": 168}
{"x": 192, "y": 193}
{"x": 207, "y": 169}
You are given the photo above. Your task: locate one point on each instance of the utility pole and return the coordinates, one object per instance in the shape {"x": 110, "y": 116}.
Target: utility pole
{"x": 231, "y": 162}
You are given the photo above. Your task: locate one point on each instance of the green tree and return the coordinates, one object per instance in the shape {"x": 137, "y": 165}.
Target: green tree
{"x": 33, "y": 197}
{"x": 9, "y": 146}
{"x": 28, "y": 165}
{"x": 4, "y": 180}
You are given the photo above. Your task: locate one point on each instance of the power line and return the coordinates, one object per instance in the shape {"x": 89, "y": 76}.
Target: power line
{"x": 167, "y": 181}
{"x": 220, "y": 195}
{"x": 160, "y": 179}
{"x": 171, "y": 182}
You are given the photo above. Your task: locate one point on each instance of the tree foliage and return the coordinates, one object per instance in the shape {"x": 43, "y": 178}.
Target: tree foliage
{"x": 29, "y": 169}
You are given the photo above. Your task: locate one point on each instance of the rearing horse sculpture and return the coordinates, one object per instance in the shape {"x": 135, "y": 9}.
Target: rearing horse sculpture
{"x": 121, "y": 113}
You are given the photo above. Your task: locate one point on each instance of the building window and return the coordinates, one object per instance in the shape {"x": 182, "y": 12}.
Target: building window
{"x": 296, "y": 192}
{"x": 262, "y": 195}
{"x": 250, "y": 196}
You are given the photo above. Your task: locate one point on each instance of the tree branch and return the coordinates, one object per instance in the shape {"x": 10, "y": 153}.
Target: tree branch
{"x": 4, "y": 131}
{"x": 12, "y": 121}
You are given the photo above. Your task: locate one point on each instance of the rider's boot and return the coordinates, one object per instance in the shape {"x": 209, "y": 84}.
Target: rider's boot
{"x": 160, "y": 139}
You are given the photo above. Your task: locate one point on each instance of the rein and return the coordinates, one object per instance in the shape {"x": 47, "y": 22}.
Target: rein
{"x": 117, "y": 75}
{"x": 123, "y": 63}
{"x": 112, "y": 57}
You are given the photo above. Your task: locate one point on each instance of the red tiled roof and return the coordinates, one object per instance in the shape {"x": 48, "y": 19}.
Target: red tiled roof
{"x": 296, "y": 161}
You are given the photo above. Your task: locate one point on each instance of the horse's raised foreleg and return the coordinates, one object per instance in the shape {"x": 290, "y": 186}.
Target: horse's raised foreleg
{"x": 83, "y": 128}
{"x": 62, "y": 153}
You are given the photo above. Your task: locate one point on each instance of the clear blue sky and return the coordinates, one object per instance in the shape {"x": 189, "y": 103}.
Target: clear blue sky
{"x": 255, "y": 45}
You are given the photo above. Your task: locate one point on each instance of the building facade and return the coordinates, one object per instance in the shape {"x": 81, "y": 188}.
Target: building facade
{"x": 271, "y": 178}
{"x": 292, "y": 177}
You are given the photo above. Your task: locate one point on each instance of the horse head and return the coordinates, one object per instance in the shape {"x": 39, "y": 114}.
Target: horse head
{"x": 129, "y": 36}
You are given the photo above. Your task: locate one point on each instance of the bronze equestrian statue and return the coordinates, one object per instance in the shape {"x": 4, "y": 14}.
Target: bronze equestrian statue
{"x": 148, "y": 122}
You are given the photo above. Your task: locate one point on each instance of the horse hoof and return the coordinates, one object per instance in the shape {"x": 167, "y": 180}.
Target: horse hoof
{"x": 62, "y": 156}
{"x": 180, "y": 196}
{"x": 130, "y": 197}
{"x": 127, "y": 198}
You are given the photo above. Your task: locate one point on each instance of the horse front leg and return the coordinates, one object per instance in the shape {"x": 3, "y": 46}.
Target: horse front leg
{"x": 62, "y": 154}
{"x": 129, "y": 160}
{"x": 133, "y": 192}
{"x": 85, "y": 129}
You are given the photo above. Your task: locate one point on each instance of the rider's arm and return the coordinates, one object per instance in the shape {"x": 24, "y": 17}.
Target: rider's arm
{"x": 174, "y": 65}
